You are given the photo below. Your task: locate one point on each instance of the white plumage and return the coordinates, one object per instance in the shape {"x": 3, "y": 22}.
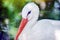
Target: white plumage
{"x": 44, "y": 29}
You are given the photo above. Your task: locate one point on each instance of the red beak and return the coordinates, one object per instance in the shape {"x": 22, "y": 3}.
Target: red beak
{"x": 21, "y": 27}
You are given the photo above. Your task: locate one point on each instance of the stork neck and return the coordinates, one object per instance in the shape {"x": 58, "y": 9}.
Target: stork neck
{"x": 31, "y": 23}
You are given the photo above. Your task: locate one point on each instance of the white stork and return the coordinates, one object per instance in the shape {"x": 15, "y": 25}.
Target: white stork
{"x": 32, "y": 29}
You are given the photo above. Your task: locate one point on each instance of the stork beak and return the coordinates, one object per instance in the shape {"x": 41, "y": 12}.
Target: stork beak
{"x": 21, "y": 27}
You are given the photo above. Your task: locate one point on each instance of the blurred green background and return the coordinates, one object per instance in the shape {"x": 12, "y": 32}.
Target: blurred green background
{"x": 12, "y": 9}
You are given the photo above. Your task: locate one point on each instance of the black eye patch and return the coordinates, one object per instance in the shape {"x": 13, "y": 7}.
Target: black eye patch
{"x": 28, "y": 13}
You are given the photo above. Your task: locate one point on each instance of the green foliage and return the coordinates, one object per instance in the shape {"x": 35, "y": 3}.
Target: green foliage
{"x": 14, "y": 8}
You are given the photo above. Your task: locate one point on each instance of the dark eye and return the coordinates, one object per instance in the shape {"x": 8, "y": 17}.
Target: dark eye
{"x": 28, "y": 13}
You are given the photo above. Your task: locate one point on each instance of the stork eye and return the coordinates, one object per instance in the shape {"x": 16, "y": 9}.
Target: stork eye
{"x": 28, "y": 13}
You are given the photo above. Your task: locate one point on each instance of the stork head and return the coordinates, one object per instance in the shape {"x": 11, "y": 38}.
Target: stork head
{"x": 30, "y": 11}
